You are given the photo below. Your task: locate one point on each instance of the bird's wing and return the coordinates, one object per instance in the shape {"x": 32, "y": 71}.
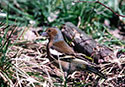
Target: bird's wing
{"x": 63, "y": 47}
{"x": 63, "y": 51}
{"x": 86, "y": 61}
{"x": 60, "y": 55}
{"x": 71, "y": 58}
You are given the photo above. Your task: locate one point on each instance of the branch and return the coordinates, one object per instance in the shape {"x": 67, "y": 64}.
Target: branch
{"x": 102, "y": 5}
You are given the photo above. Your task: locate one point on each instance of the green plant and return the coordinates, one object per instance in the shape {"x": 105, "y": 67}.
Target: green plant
{"x": 5, "y": 62}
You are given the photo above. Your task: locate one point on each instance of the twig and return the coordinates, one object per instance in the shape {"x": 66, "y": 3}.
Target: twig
{"x": 102, "y": 5}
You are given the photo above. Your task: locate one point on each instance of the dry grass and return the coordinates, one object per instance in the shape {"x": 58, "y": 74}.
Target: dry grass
{"x": 31, "y": 68}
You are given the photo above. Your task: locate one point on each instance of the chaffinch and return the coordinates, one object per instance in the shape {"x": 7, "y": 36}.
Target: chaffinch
{"x": 70, "y": 61}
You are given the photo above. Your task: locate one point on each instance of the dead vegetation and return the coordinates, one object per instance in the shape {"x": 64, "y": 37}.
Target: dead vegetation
{"x": 31, "y": 68}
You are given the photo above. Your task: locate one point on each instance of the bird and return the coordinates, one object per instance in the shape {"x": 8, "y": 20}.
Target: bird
{"x": 60, "y": 53}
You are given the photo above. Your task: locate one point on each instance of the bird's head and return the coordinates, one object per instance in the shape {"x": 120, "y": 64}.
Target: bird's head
{"x": 54, "y": 34}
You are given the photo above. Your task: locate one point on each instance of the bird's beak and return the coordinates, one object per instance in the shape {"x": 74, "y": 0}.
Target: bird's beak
{"x": 44, "y": 34}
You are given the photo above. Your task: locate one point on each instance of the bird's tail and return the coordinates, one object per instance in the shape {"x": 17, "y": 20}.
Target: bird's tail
{"x": 96, "y": 71}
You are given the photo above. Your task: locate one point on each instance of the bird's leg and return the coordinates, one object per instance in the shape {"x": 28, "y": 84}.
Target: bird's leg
{"x": 66, "y": 77}
{"x": 60, "y": 66}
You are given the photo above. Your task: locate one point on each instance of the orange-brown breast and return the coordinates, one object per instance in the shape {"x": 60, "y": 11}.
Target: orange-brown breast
{"x": 63, "y": 47}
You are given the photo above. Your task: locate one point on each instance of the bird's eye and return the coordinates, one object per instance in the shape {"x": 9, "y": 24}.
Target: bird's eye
{"x": 49, "y": 30}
